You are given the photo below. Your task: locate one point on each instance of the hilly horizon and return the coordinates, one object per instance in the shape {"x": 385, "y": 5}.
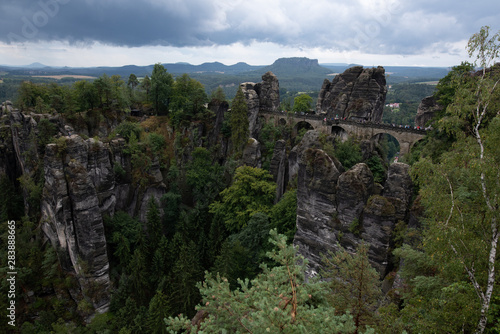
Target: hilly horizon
{"x": 304, "y": 64}
{"x": 295, "y": 74}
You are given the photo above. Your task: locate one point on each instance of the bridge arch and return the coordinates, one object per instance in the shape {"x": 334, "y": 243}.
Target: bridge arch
{"x": 302, "y": 125}
{"x": 361, "y": 130}
{"x": 417, "y": 143}
{"x": 392, "y": 143}
{"x": 340, "y": 133}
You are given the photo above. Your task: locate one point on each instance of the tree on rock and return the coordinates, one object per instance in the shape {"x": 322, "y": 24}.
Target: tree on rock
{"x": 239, "y": 121}
{"x": 161, "y": 87}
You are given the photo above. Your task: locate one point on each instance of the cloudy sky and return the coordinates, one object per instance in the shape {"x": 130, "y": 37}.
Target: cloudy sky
{"x": 143, "y": 32}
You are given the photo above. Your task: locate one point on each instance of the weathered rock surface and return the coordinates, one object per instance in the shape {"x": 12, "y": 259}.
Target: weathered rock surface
{"x": 398, "y": 188}
{"x": 310, "y": 140}
{"x": 279, "y": 167}
{"x": 71, "y": 215}
{"x": 426, "y": 111}
{"x": 251, "y": 153}
{"x": 316, "y": 206}
{"x": 269, "y": 93}
{"x": 263, "y": 96}
{"x": 81, "y": 186}
{"x": 354, "y": 187}
{"x": 377, "y": 223}
{"x": 342, "y": 209}
{"x": 357, "y": 94}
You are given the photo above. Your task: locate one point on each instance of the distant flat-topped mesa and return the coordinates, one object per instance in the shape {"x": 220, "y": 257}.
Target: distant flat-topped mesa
{"x": 357, "y": 94}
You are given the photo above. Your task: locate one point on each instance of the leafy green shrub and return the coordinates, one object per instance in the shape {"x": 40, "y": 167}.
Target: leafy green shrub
{"x": 126, "y": 129}
{"x": 355, "y": 227}
{"x": 377, "y": 168}
{"x": 46, "y": 130}
{"x": 348, "y": 153}
{"x": 156, "y": 142}
{"x": 253, "y": 190}
{"x": 284, "y": 215}
{"x": 118, "y": 170}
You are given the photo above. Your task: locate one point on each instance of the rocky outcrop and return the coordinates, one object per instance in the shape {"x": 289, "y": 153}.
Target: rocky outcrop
{"x": 316, "y": 206}
{"x": 398, "y": 188}
{"x": 81, "y": 186}
{"x": 71, "y": 215}
{"x": 310, "y": 140}
{"x": 279, "y": 167}
{"x": 269, "y": 93}
{"x": 251, "y": 153}
{"x": 263, "y": 96}
{"x": 354, "y": 187}
{"x": 357, "y": 94}
{"x": 337, "y": 208}
{"x": 253, "y": 104}
{"x": 426, "y": 111}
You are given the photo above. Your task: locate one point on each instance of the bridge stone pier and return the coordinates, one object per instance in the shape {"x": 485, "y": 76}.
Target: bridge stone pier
{"x": 347, "y": 128}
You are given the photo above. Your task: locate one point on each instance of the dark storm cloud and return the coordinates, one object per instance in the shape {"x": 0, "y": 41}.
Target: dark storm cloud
{"x": 383, "y": 26}
{"x": 126, "y": 23}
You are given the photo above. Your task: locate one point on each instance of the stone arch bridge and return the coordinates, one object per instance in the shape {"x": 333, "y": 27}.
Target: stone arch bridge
{"x": 406, "y": 137}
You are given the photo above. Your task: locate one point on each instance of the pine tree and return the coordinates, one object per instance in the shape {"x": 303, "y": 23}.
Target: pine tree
{"x": 185, "y": 273}
{"x": 353, "y": 283}
{"x": 154, "y": 228}
{"x": 239, "y": 122}
{"x": 277, "y": 301}
{"x": 159, "y": 309}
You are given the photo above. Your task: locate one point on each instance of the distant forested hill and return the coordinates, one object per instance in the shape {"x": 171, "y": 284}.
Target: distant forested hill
{"x": 296, "y": 74}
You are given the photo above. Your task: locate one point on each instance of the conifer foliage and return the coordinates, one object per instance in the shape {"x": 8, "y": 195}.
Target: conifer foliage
{"x": 353, "y": 283}
{"x": 277, "y": 301}
{"x": 239, "y": 121}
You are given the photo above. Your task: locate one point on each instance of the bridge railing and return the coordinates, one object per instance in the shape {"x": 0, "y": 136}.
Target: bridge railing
{"x": 338, "y": 121}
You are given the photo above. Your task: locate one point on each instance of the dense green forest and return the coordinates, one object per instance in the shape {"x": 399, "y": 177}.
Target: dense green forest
{"x": 218, "y": 247}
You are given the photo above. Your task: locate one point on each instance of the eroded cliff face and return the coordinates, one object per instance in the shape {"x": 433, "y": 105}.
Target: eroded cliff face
{"x": 357, "y": 94}
{"x": 337, "y": 208}
{"x": 71, "y": 216}
{"x": 80, "y": 187}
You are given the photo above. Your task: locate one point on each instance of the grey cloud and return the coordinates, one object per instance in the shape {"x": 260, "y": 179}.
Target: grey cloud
{"x": 403, "y": 29}
{"x": 125, "y": 23}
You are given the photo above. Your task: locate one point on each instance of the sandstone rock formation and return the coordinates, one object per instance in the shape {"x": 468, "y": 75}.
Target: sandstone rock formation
{"x": 279, "y": 167}
{"x": 263, "y": 96}
{"x": 81, "y": 186}
{"x": 337, "y": 208}
{"x": 358, "y": 94}
{"x": 251, "y": 153}
{"x": 426, "y": 111}
{"x": 72, "y": 217}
